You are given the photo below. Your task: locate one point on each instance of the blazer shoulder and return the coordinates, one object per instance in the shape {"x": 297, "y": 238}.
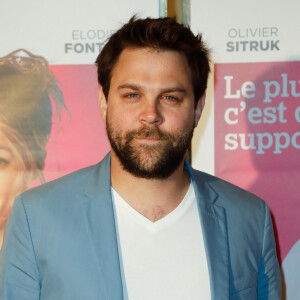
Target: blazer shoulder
{"x": 227, "y": 193}
{"x": 61, "y": 191}
{"x": 63, "y": 181}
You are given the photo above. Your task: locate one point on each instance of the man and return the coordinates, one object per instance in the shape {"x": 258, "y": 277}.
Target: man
{"x": 142, "y": 224}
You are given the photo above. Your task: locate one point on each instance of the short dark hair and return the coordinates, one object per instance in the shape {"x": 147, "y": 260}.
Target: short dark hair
{"x": 161, "y": 34}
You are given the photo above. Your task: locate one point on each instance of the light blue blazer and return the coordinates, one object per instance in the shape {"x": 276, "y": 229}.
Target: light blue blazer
{"x": 60, "y": 241}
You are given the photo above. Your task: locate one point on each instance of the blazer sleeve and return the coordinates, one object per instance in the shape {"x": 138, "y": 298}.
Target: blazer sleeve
{"x": 269, "y": 278}
{"x": 19, "y": 276}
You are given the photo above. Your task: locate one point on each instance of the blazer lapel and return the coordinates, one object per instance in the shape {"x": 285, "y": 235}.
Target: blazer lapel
{"x": 99, "y": 218}
{"x": 213, "y": 222}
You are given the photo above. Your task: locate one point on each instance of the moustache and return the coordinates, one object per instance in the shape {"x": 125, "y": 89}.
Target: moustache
{"x": 149, "y": 132}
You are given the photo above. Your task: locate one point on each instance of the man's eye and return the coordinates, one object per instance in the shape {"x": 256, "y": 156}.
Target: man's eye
{"x": 169, "y": 98}
{"x": 132, "y": 95}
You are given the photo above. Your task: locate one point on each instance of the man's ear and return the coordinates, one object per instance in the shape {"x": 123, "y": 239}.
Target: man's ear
{"x": 102, "y": 103}
{"x": 198, "y": 110}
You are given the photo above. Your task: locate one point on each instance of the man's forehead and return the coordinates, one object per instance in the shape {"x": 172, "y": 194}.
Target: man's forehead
{"x": 158, "y": 51}
{"x": 142, "y": 59}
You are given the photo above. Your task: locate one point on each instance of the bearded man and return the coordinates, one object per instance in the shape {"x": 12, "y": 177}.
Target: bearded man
{"x": 142, "y": 224}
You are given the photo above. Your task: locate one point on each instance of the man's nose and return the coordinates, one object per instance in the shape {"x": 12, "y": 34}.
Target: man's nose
{"x": 150, "y": 113}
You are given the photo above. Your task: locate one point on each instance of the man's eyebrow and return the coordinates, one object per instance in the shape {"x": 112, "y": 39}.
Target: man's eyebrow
{"x": 140, "y": 88}
{"x": 174, "y": 89}
{"x": 130, "y": 86}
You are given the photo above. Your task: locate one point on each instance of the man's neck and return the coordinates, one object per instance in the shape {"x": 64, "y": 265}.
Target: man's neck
{"x": 153, "y": 198}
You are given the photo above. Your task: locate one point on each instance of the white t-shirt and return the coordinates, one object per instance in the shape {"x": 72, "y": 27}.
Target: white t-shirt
{"x": 162, "y": 260}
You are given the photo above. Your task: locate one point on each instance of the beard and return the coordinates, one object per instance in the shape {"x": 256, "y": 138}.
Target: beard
{"x": 151, "y": 161}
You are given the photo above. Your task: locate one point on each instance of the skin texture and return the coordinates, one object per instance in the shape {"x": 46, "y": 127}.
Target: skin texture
{"x": 13, "y": 178}
{"x": 150, "y": 90}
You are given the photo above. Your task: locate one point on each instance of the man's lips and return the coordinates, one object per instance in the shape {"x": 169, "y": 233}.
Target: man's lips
{"x": 149, "y": 139}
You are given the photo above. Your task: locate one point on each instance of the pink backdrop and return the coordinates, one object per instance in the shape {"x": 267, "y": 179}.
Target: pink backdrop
{"x": 81, "y": 139}
{"x": 257, "y": 137}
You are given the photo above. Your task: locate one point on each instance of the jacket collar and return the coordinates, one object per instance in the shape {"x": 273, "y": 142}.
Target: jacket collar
{"x": 99, "y": 179}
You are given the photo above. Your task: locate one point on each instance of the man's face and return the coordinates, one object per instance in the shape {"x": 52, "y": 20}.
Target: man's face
{"x": 150, "y": 114}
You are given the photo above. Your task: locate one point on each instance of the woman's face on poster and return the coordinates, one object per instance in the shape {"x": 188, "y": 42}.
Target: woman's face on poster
{"x": 12, "y": 175}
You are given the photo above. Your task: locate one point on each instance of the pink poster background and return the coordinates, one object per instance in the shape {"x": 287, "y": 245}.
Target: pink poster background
{"x": 257, "y": 138}
{"x": 80, "y": 139}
